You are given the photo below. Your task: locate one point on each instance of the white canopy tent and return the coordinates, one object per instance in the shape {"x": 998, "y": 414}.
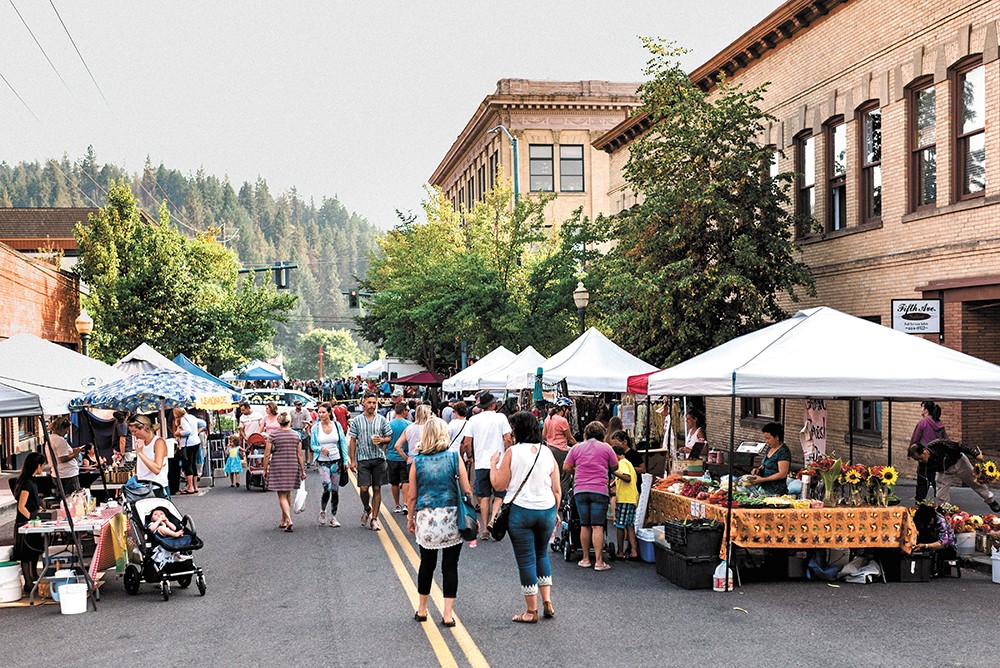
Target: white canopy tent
{"x": 18, "y": 403}
{"x": 591, "y": 363}
{"x": 145, "y": 358}
{"x": 56, "y": 374}
{"x": 468, "y": 378}
{"x": 371, "y": 370}
{"x": 822, "y": 353}
{"x": 527, "y": 361}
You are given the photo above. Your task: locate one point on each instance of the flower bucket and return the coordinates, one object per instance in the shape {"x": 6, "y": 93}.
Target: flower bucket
{"x": 965, "y": 544}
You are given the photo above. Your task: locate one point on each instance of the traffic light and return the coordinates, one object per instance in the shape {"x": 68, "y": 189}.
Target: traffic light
{"x": 352, "y": 299}
{"x": 280, "y": 275}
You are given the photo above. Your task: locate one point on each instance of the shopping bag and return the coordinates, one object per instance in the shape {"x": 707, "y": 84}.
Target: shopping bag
{"x": 299, "y": 504}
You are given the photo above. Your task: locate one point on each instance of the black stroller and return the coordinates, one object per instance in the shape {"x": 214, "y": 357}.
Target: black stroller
{"x": 568, "y": 536}
{"x": 157, "y": 559}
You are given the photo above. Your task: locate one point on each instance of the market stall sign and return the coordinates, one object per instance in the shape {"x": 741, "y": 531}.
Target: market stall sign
{"x": 917, "y": 316}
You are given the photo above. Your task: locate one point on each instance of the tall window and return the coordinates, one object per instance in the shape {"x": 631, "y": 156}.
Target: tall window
{"x": 836, "y": 149}
{"x": 772, "y": 166}
{"x": 805, "y": 165}
{"x": 494, "y": 161}
{"x": 871, "y": 164}
{"x": 970, "y": 140}
{"x": 470, "y": 193}
{"x": 923, "y": 142}
{"x": 481, "y": 182}
{"x": 541, "y": 172}
{"x": 571, "y": 168}
{"x": 461, "y": 198}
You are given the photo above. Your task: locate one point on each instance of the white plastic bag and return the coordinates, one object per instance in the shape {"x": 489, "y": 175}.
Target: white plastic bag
{"x": 299, "y": 503}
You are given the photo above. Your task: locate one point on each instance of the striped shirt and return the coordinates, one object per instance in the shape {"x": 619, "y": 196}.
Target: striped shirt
{"x": 363, "y": 430}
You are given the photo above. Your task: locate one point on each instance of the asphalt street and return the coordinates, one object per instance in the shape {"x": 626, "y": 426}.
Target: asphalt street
{"x": 346, "y": 597}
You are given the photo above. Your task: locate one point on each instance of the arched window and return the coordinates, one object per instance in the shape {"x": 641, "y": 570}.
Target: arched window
{"x": 923, "y": 145}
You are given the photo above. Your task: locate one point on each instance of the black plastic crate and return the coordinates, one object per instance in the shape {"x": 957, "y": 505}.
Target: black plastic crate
{"x": 685, "y": 572}
{"x": 915, "y": 568}
{"x": 695, "y": 537}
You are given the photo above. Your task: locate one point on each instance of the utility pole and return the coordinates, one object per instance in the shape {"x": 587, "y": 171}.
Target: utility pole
{"x": 321, "y": 362}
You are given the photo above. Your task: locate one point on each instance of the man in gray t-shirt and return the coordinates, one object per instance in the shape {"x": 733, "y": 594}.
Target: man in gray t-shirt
{"x": 368, "y": 435}
{"x": 302, "y": 422}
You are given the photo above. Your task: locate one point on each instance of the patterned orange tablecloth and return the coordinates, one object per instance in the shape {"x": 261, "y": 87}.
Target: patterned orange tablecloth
{"x": 794, "y": 528}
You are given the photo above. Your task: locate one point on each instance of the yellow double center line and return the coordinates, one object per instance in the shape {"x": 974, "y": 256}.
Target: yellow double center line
{"x": 444, "y": 655}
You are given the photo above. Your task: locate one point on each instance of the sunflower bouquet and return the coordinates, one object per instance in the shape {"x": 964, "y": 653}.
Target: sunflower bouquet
{"x": 881, "y": 481}
{"x": 986, "y": 472}
{"x": 854, "y": 481}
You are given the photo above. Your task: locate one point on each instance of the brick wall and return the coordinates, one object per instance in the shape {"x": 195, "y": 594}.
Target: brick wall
{"x": 38, "y": 299}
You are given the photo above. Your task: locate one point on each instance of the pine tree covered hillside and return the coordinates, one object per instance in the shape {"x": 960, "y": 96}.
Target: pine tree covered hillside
{"x": 330, "y": 244}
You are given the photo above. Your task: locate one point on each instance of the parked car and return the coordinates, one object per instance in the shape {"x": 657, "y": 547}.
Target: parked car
{"x": 284, "y": 398}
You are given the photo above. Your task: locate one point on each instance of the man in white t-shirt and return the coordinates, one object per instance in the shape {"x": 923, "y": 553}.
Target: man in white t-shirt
{"x": 250, "y": 422}
{"x": 486, "y": 433}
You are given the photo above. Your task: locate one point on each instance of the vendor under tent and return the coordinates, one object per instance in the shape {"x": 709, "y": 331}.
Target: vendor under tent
{"x": 56, "y": 374}
{"x": 145, "y": 358}
{"x": 468, "y": 378}
{"x": 526, "y": 362}
{"x": 781, "y": 361}
{"x": 186, "y": 364}
{"x": 591, "y": 363}
{"x": 421, "y": 378}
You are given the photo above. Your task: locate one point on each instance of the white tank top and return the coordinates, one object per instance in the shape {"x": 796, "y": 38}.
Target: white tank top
{"x": 329, "y": 441}
{"x": 537, "y": 492}
{"x": 143, "y": 472}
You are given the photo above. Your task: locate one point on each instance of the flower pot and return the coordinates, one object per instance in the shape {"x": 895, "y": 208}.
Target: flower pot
{"x": 965, "y": 543}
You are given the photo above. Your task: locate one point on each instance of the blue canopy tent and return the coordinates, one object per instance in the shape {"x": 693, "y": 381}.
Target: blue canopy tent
{"x": 257, "y": 370}
{"x": 183, "y": 362}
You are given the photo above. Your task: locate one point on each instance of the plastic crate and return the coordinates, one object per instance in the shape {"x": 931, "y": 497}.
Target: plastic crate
{"x": 694, "y": 538}
{"x": 915, "y": 568}
{"x": 685, "y": 572}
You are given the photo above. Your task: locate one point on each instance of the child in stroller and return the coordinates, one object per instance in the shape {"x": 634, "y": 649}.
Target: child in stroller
{"x": 163, "y": 545}
{"x": 256, "y": 444}
{"x": 568, "y": 532}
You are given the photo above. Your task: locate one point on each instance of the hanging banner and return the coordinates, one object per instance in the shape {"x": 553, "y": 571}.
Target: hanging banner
{"x": 813, "y": 434}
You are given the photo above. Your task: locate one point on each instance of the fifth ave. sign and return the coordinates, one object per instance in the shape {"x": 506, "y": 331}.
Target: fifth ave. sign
{"x": 916, "y": 316}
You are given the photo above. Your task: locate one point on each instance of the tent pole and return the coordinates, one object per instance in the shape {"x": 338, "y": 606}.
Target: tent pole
{"x": 888, "y": 447}
{"x": 729, "y": 509}
{"x": 69, "y": 515}
{"x": 649, "y": 417}
{"x": 850, "y": 430}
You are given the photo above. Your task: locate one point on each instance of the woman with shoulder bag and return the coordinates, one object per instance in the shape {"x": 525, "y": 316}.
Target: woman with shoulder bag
{"x": 432, "y": 498}
{"x": 529, "y": 473}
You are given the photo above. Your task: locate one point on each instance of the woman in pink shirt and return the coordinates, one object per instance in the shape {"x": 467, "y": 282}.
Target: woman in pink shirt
{"x": 592, "y": 462}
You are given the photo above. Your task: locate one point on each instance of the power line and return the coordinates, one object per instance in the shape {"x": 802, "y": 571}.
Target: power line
{"x": 40, "y": 46}
{"x": 20, "y": 98}
{"x": 73, "y": 42}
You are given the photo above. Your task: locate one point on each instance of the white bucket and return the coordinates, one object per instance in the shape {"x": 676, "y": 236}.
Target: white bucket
{"x": 10, "y": 573}
{"x": 996, "y": 566}
{"x": 73, "y": 599}
{"x": 965, "y": 543}
{"x": 6, "y": 552}
{"x": 12, "y": 591}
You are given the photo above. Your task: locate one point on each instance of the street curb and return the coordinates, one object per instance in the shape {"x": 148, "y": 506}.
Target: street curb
{"x": 980, "y": 563}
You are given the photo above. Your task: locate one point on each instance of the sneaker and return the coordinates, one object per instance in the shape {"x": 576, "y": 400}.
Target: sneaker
{"x": 397, "y": 510}
{"x": 365, "y": 516}
{"x": 405, "y": 509}
{"x": 374, "y": 525}
{"x": 322, "y": 517}
{"x": 333, "y": 522}
{"x": 994, "y": 505}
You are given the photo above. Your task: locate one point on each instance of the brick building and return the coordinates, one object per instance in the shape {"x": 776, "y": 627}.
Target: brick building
{"x": 37, "y": 298}
{"x": 40, "y": 231}
{"x": 555, "y": 123}
{"x": 888, "y": 110}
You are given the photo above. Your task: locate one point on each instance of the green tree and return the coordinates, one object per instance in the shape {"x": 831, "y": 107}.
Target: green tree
{"x": 709, "y": 252}
{"x": 340, "y": 352}
{"x": 147, "y": 282}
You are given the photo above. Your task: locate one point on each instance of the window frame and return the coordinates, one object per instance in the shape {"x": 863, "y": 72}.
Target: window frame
{"x": 581, "y": 175}
{"x": 494, "y": 161}
{"x": 915, "y": 159}
{"x": 866, "y": 168}
{"x": 961, "y": 139}
{"x": 470, "y": 192}
{"x": 531, "y": 171}
{"x": 800, "y": 143}
{"x": 481, "y": 183}
{"x": 835, "y": 182}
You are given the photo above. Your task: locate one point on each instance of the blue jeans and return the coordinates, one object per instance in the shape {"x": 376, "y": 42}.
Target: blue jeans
{"x": 529, "y": 532}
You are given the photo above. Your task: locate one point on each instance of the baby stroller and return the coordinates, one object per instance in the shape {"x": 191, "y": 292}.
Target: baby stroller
{"x": 255, "y": 461}
{"x": 159, "y": 559}
{"x": 568, "y": 539}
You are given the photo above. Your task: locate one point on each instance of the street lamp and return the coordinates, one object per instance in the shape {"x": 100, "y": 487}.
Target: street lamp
{"x": 513, "y": 141}
{"x": 581, "y": 297}
{"x": 84, "y": 326}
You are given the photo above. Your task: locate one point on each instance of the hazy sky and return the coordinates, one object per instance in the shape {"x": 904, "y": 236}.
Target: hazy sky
{"x": 360, "y": 100}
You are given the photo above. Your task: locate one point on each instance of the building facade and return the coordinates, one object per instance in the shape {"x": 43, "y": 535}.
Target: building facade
{"x": 887, "y": 111}
{"x": 556, "y": 124}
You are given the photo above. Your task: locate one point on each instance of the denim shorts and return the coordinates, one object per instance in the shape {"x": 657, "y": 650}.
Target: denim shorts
{"x": 592, "y": 508}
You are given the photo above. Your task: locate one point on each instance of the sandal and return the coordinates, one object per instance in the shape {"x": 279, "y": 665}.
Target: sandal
{"x": 603, "y": 567}
{"x": 418, "y": 617}
{"x": 584, "y": 564}
{"x": 527, "y": 617}
{"x": 289, "y": 527}
{"x": 448, "y": 624}
{"x": 548, "y": 612}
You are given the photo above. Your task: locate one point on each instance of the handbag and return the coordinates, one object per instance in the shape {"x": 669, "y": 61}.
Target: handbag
{"x": 498, "y": 527}
{"x": 468, "y": 516}
{"x": 344, "y": 479}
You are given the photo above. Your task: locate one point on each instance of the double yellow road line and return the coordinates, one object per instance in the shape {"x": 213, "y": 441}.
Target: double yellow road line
{"x": 407, "y": 578}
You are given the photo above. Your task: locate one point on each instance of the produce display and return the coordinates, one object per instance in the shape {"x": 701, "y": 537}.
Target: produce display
{"x": 712, "y": 493}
